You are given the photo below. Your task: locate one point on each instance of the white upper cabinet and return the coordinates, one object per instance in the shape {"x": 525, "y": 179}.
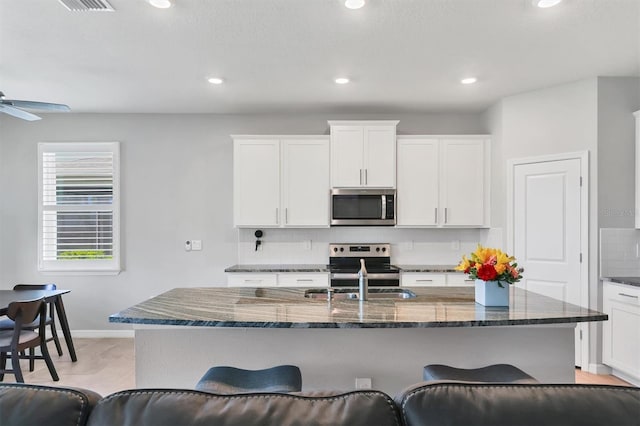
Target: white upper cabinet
{"x": 418, "y": 182}
{"x": 462, "y": 182}
{"x": 281, "y": 181}
{"x": 305, "y": 183}
{"x": 443, "y": 181}
{"x": 363, "y": 154}
{"x": 256, "y": 182}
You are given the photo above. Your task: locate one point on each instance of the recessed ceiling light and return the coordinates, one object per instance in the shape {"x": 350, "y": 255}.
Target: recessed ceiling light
{"x": 354, "y": 4}
{"x": 546, "y": 3}
{"x": 469, "y": 80}
{"x": 342, "y": 80}
{"x": 215, "y": 80}
{"x": 160, "y": 4}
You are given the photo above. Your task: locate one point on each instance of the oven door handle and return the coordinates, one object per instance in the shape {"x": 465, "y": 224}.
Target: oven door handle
{"x": 370, "y": 276}
{"x": 384, "y": 207}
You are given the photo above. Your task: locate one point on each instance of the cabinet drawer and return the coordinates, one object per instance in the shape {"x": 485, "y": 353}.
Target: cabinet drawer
{"x": 303, "y": 280}
{"x": 622, "y": 293}
{"x": 460, "y": 280}
{"x": 409, "y": 279}
{"x": 251, "y": 280}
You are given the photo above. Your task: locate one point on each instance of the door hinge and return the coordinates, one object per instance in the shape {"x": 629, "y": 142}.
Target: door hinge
{"x": 580, "y": 257}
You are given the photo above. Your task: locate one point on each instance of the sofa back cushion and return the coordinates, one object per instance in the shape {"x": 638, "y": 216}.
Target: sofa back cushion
{"x": 158, "y": 407}
{"x": 440, "y": 404}
{"x": 22, "y": 404}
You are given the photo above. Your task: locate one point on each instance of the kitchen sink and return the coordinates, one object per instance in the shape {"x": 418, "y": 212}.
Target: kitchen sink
{"x": 352, "y": 293}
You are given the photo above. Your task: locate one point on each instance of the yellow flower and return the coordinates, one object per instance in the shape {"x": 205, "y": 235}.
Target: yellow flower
{"x": 464, "y": 264}
{"x": 500, "y": 268}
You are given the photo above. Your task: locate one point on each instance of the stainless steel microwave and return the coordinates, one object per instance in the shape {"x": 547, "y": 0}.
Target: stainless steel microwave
{"x": 363, "y": 207}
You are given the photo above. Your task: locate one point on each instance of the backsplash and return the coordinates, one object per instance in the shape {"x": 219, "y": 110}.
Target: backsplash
{"x": 409, "y": 246}
{"x": 619, "y": 252}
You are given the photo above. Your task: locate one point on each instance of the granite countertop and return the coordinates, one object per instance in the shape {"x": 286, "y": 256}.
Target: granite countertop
{"x": 428, "y": 268}
{"x": 634, "y": 281}
{"x": 288, "y": 308}
{"x": 325, "y": 268}
{"x": 279, "y": 268}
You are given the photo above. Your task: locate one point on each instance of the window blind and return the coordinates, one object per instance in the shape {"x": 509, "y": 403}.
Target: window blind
{"x": 78, "y": 192}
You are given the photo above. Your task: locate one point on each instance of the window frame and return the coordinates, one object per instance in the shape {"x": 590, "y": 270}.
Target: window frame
{"x": 81, "y": 266}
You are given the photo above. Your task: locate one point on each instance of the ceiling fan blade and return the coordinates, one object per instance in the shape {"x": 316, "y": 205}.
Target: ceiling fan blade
{"x": 7, "y": 109}
{"x": 37, "y": 105}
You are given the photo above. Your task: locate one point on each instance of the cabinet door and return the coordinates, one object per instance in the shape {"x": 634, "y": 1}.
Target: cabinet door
{"x": 293, "y": 279}
{"x": 251, "y": 279}
{"x": 380, "y": 157}
{"x": 417, "y": 191}
{"x": 347, "y": 168}
{"x": 462, "y": 182}
{"x": 423, "y": 279}
{"x": 256, "y": 182}
{"x": 458, "y": 279}
{"x": 305, "y": 183}
{"x": 621, "y": 333}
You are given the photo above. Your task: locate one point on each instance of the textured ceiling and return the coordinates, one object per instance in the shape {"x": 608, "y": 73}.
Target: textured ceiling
{"x": 283, "y": 55}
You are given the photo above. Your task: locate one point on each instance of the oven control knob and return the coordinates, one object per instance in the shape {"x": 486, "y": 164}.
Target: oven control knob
{"x": 341, "y": 248}
{"x": 335, "y": 249}
{"x": 384, "y": 249}
{"x": 377, "y": 248}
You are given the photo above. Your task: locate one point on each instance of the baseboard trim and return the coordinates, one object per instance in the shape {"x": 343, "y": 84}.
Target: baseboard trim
{"x": 599, "y": 369}
{"x": 100, "y": 334}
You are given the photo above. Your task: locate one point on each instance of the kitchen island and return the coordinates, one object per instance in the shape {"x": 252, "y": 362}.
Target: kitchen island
{"x": 183, "y": 332}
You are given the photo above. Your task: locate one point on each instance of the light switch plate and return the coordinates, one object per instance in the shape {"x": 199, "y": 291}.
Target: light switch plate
{"x": 363, "y": 383}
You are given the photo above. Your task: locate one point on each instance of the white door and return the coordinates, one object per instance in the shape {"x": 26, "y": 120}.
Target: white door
{"x": 305, "y": 182}
{"x": 547, "y": 224}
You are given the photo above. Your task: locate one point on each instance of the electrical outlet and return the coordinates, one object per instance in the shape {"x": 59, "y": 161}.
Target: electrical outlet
{"x": 187, "y": 245}
{"x": 307, "y": 244}
{"x": 363, "y": 383}
{"x": 196, "y": 245}
{"x": 455, "y": 245}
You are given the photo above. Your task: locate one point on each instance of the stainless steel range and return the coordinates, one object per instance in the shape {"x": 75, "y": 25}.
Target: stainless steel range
{"x": 344, "y": 264}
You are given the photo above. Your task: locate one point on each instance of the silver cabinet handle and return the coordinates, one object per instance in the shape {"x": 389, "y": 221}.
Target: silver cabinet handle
{"x": 436, "y": 215}
{"x": 304, "y": 280}
{"x": 286, "y": 215}
{"x": 384, "y": 207}
{"x": 277, "y": 218}
{"x": 424, "y": 281}
{"x": 366, "y": 177}
{"x": 628, "y": 295}
{"x": 360, "y": 176}
{"x": 445, "y": 215}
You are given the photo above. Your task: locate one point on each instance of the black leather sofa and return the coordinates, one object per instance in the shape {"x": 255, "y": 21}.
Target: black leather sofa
{"x": 428, "y": 403}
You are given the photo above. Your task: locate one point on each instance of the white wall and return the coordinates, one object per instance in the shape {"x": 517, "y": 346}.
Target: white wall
{"x": 176, "y": 185}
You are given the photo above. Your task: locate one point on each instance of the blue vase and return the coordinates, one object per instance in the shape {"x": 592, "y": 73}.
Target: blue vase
{"x": 489, "y": 293}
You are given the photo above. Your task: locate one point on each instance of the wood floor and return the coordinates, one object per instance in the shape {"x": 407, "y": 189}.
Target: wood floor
{"x": 107, "y": 365}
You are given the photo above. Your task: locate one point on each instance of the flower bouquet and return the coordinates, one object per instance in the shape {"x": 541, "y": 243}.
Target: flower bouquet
{"x": 491, "y": 268}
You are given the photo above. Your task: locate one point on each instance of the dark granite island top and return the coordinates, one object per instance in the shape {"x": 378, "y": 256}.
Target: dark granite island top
{"x": 288, "y": 308}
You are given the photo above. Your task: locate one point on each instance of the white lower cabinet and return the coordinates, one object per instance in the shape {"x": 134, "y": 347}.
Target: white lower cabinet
{"x": 433, "y": 279}
{"x": 290, "y": 279}
{"x": 419, "y": 279}
{"x": 250, "y": 279}
{"x": 621, "y": 333}
{"x": 281, "y": 279}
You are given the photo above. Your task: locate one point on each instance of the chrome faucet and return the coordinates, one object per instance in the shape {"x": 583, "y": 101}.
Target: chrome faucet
{"x": 363, "y": 281}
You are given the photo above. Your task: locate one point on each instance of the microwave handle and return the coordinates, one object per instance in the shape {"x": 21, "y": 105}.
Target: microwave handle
{"x": 384, "y": 207}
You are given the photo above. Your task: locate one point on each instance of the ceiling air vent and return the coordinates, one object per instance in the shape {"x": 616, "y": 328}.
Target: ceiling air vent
{"x": 87, "y": 5}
